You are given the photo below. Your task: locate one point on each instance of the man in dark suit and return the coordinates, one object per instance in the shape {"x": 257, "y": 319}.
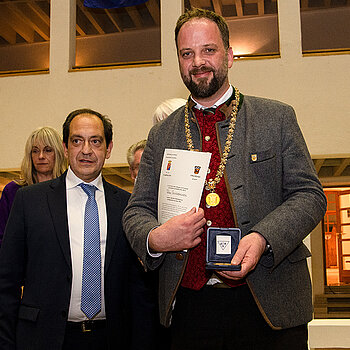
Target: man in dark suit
{"x": 83, "y": 286}
{"x": 261, "y": 180}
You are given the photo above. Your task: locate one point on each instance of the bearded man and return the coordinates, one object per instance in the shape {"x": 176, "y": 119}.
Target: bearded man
{"x": 263, "y": 182}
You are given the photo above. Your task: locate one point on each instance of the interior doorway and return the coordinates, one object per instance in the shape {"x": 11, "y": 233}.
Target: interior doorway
{"x": 336, "y": 232}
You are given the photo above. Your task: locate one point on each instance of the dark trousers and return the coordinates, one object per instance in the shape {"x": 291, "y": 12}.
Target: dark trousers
{"x": 75, "y": 339}
{"x": 227, "y": 319}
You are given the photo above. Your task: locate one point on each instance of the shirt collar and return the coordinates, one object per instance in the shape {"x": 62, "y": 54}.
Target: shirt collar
{"x": 219, "y": 102}
{"x": 73, "y": 181}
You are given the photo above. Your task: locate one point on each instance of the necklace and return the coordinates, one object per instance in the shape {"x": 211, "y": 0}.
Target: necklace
{"x": 212, "y": 199}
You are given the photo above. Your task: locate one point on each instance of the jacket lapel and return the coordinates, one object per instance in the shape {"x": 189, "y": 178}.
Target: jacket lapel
{"x": 57, "y": 203}
{"x": 114, "y": 212}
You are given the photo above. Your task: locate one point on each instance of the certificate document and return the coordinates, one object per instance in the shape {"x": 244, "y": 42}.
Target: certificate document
{"x": 181, "y": 182}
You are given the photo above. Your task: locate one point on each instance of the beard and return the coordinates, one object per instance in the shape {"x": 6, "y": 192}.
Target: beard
{"x": 203, "y": 88}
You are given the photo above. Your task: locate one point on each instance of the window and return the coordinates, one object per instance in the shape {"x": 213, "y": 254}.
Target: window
{"x": 120, "y": 36}
{"x": 24, "y": 35}
{"x": 325, "y": 25}
{"x": 253, "y": 24}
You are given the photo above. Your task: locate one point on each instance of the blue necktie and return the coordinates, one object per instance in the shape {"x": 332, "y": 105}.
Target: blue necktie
{"x": 91, "y": 282}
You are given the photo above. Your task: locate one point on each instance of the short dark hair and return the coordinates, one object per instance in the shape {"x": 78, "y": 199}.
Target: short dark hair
{"x": 107, "y": 124}
{"x": 212, "y": 16}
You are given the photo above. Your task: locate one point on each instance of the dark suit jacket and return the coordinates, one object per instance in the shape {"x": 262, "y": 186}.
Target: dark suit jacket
{"x": 273, "y": 189}
{"x": 6, "y": 200}
{"x": 36, "y": 254}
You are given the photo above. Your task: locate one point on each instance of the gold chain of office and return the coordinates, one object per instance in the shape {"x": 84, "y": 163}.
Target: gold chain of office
{"x": 213, "y": 198}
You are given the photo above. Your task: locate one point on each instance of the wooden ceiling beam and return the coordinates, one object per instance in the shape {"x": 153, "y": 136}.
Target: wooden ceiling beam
{"x": 114, "y": 180}
{"x": 33, "y": 21}
{"x": 154, "y": 11}
{"x": 7, "y": 32}
{"x": 113, "y": 20}
{"x": 80, "y": 30}
{"x": 217, "y": 7}
{"x": 39, "y": 12}
{"x": 118, "y": 172}
{"x": 124, "y": 176}
{"x": 343, "y": 165}
{"x": 239, "y": 9}
{"x": 318, "y": 164}
{"x": 135, "y": 16}
{"x": 17, "y": 23}
{"x": 261, "y": 8}
{"x": 90, "y": 17}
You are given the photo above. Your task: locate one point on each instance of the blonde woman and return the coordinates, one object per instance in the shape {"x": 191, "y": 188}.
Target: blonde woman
{"x": 43, "y": 160}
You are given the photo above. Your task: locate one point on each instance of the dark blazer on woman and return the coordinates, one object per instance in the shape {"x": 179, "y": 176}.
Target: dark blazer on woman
{"x": 6, "y": 201}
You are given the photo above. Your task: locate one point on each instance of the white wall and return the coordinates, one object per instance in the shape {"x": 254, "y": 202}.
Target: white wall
{"x": 318, "y": 88}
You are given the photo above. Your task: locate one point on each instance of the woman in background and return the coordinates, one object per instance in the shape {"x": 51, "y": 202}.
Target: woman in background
{"x": 43, "y": 160}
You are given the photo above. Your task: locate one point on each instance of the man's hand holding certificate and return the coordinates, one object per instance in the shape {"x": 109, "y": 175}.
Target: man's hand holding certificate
{"x": 180, "y": 189}
{"x": 179, "y": 233}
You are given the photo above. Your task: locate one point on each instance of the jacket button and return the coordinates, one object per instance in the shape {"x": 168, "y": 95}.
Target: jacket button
{"x": 179, "y": 256}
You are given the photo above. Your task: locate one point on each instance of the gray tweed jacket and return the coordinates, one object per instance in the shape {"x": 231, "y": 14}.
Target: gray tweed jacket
{"x": 273, "y": 189}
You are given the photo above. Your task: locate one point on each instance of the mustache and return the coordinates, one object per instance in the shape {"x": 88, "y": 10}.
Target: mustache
{"x": 200, "y": 70}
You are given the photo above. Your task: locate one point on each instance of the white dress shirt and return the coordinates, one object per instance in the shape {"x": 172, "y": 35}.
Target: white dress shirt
{"x": 219, "y": 102}
{"x": 76, "y": 200}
